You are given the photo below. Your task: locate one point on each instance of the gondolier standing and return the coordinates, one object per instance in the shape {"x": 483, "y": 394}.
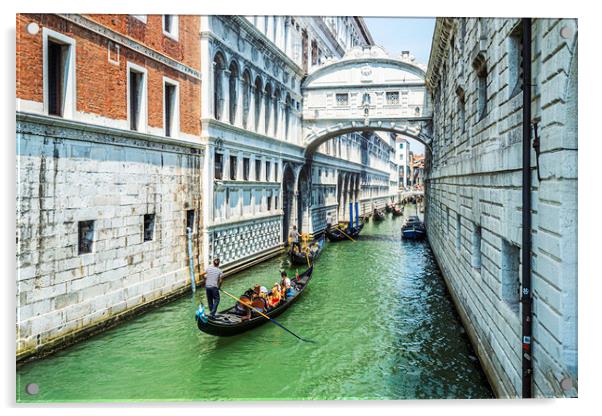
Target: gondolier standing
{"x": 213, "y": 281}
{"x": 328, "y": 220}
{"x": 293, "y": 236}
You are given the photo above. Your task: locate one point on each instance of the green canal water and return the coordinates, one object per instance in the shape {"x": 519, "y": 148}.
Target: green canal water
{"x": 378, "y": 309}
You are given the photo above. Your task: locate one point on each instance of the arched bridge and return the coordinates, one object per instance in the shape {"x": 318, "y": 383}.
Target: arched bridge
{"x": 366, "y": 90}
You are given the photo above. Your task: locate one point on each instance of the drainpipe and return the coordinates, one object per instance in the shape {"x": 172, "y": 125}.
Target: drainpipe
{"x": 526, "y": 298}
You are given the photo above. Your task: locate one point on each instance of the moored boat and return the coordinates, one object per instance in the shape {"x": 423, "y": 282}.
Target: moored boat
{"x": 397, "y": 211}
{"x": 228, "y": 322}
{"x": 378, "y": 215}
{"x": 413, "y": 228}
{"x": 389, "y": 207}
{"x": 339, "y": 233}
{"x": 309, "y": 253}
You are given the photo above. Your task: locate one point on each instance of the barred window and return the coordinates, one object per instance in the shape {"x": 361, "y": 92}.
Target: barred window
{"x": 342, "y": 99}
{"x": 85, "y": 236}
{"x": 393, "y": 97}
{"x": 149, "y": 226}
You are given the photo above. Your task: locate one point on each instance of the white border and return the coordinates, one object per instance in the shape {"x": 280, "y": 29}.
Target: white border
{"x": 175, "y": 32}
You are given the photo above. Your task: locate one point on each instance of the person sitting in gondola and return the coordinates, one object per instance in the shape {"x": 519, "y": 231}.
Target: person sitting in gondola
{"x": 241, "y": 309}
{"x": 274, "y": 296}
{"x": 289, "y": 291}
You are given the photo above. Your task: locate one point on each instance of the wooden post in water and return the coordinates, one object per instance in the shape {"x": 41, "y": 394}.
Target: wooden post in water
{"x": 190, "y": 259}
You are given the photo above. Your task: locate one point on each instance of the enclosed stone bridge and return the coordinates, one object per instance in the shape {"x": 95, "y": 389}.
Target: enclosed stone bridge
{"x": 366, "y": 90}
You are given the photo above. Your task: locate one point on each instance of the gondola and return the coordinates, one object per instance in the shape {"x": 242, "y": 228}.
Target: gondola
{"x": 227, "y": 323}
{"x": 389, "y": 207}
{"x": 413, "y": 229}
{"x": 397, "y": 211}
{"x": 378, "y": 215}
{"x": 302, "y": 258}
{"x": 335, "y": 234}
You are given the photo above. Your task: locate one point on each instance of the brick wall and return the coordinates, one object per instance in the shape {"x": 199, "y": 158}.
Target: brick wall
{"x": 474, "y": 195}
{"x": 101, "y": 84}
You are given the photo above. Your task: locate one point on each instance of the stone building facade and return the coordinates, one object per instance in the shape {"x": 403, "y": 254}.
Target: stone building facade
{"x": 257, "y": 179}
{"x": 474, "y": 192}
{"x": 109, "y": 166}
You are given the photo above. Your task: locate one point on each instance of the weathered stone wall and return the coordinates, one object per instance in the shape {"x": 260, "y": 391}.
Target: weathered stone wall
{"x": 70, "y": 172}
{"x": 474, "y": 200}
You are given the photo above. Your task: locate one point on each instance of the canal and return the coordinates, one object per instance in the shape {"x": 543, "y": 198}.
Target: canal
{"x": 378, "y": 308}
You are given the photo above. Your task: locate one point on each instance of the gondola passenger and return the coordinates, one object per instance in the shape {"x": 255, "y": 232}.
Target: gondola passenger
{"x": 274, "y": 297}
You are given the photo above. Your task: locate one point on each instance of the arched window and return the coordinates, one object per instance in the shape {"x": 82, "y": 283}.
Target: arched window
{"x": 218, "y": 86}
{"x": 267, "y": 102}
{"x": 258, "y": 93}
{"x": 287, "y": 114}
{"x": 276, "y": 110}
{"x": 233, "y": 94}
{"x": 246, "y": 97}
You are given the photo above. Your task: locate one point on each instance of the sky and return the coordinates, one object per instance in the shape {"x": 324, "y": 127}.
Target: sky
{"x": 398, "y": 34}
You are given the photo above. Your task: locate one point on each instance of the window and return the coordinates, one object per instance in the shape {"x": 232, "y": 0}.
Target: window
{"x": 393, "y": 97}
{"x": 190, "y": 219}
{"x": 233, "y": 94}
{"x": 276, "y": 202}
{"x": 141, "y": 17}
{"x": 458, "y": 233}
{"x": 149, "y": 226}
{"x": 172, "y": 108}
{"x": 170, "y": 26}
{"x": 257, "y": 99}
{"x": 268, "y": 165}
{"x": 342, "y": 100}
{"x": 480, "y": 66}
{"x": 137, "y": 97}
{"x": 515, "y": 61}
{"x": 218, "y": 86}
{"x": 233, "y": 167}
{"x": 462, "y": 111}
{"x": 276, "y": 172}
{"x": 510, "y": 274}
{"x": 59, "y": 74}
{"x": 267, "y": 103}
{"x": 219, "y": 166}
{"x": 401, "y": 145}
{"x": 269, "y": 201}
{"x": 476, "y": 248}
{"x": 85, "y": 236}
{"x": 245, "y": 168}
{"x": 257, "y": 169}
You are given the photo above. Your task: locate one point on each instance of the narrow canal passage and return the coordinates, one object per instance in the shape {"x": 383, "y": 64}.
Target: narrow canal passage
{"x": 378, "y": 309}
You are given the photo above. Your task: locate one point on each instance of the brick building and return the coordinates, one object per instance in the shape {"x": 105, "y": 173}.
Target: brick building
{"x": 109, "y": 165}
{"x": 474, "y": 189}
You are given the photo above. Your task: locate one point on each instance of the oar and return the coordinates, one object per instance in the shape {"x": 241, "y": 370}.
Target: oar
{"x": 344, "y": 233}
{"x": 307, "y": 258}
{"x": 267, "y": 317}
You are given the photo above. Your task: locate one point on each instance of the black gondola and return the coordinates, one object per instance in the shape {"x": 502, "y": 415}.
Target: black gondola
{"x": 389, "y": 207}
{"x": 335, "y": 234}
{"x": 397, "y": 211}
{"x": 378, "y": 215}
{"x": 227, "y": 323}
{"x": 302, "y": 258}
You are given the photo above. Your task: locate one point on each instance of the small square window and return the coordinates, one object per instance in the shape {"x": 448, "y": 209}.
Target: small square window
{"x": 342, "y": 100}
{"x": 392, "y": 97}
{"x": 149, "y": 226}
{"x": 170, "y": 25}
{"x": 85, "y": 236}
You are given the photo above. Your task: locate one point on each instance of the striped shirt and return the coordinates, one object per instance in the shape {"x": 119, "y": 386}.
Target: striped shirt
{"x": 213, "y": 274}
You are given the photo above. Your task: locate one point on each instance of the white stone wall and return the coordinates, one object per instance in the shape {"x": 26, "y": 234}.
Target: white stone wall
{"x": 71, "y": 172}
{"x": 474, "y": 200}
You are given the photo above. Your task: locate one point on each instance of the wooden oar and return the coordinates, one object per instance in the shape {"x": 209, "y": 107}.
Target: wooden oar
{"x": 307, "y": 258}
{"x": 344, "y": 233}
{"x": 265, "y": 316}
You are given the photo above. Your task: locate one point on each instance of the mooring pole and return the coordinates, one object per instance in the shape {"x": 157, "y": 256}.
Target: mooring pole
{"x": 190, "y": 259}
{"x": 350, "y": 215}
{"x": 526, "y": 298}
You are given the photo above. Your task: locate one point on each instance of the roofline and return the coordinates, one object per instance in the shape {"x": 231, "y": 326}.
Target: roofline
{"x": 439, "y": 44}
{"x": 364, "y": 29}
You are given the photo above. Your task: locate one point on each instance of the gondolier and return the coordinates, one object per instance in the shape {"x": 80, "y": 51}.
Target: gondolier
{"x": 293, "y": 236}
{"x": 328, "y": 220}
{"x": 213, "y": 281}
